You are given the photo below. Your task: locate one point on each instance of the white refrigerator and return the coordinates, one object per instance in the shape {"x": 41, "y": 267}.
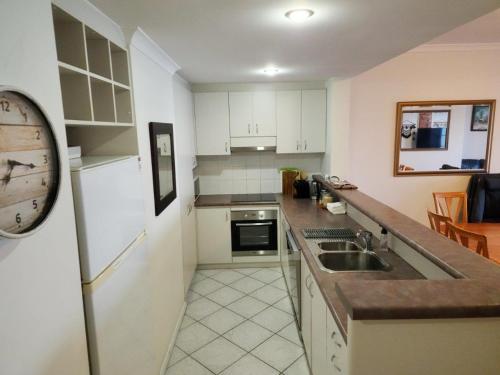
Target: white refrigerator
{"x": 110, "y": 219}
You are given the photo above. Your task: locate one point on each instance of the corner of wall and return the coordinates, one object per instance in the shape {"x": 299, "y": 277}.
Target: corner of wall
{"x": 336, "y": 159}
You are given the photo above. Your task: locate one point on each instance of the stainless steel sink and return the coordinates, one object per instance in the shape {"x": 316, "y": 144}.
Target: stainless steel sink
{"x": 339, "y": 246}
{"x": 354, "y": 261}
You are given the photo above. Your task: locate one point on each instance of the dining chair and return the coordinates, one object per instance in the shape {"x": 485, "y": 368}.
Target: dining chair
{"x": 452, "y": 204}
{"x": 468, "y": 239}
{"x": 439, "y": 223}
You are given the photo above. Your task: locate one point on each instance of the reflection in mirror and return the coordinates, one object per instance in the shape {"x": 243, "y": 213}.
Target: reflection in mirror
{"x": 164, "y": 164}
{"x": 443, "y": 137}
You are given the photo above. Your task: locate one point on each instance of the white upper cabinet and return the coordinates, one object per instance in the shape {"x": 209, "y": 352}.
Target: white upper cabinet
{"x": 264, "y": 113}
{"x": 288, "y": 117}
{"x": 240, "y": 110}
{"x": 212, "y": 123}
{"x": 313, "y": 120}
{"x": 301, "y": 121}
{"x": 253, "y": 114}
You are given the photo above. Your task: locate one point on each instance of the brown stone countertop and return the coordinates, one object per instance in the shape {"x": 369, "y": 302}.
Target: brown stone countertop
{"x": 222, "y": 200}
{"x": 475, "y": 291}
{"x": 304, "y": 213}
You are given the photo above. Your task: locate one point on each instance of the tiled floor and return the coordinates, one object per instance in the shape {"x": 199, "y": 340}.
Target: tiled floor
{"x": 238, "y": 322}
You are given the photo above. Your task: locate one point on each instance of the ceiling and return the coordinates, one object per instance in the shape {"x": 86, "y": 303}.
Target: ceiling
{"x": 234, "y": 40}
{"x": 485, "y": 29}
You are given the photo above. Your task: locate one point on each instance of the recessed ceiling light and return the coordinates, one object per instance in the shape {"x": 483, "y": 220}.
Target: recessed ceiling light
{"x": 271, "y": 71}
{"x": 299, "y": 15}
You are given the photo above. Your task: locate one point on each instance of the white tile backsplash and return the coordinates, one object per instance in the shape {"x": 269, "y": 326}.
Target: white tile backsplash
{"x": 252, "y": 172}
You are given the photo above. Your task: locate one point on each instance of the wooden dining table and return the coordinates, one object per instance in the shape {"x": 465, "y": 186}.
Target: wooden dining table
{"x": 492, "y": 233}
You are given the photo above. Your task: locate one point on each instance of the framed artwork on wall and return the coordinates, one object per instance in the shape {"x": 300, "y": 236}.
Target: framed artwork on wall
{"x": 163, "y": 164}
{"x": 480, "y": 118}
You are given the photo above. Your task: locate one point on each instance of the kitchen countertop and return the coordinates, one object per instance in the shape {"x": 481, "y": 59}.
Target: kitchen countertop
{"x": 401, "y": 293}
{"x": 304, "y": 213}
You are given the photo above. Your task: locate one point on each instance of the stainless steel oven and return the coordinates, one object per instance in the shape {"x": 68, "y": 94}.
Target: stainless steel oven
{"x": 254, "y": 232}
{"x": 290, "y": 263}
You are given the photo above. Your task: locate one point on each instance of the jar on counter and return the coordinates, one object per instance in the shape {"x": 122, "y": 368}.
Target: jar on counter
{"x": 325, "y": 198}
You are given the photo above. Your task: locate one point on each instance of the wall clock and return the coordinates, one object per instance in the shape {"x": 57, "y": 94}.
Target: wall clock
{"x": 29, "y": 165}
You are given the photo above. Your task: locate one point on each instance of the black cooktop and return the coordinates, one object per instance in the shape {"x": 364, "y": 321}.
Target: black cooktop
{"x": 253, "y": 198}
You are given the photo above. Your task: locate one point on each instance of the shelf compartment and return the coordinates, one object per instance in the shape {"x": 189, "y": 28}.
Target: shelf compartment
{"x": 70, "y": 40}
{"x": 123, "y": 103}
{"x": 102, "y": 100}
{"x": 98, "y": 53}
{"x": 119, "y": 62}
{"x": 75, "y": 94}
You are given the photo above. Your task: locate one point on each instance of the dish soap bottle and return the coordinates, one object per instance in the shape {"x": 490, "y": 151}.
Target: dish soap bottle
{"x": 384, "y": 241}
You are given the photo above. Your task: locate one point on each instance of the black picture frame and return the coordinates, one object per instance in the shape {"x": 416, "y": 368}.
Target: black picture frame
{"x": 478, "y": 123}
{"x": 156, "y": 130}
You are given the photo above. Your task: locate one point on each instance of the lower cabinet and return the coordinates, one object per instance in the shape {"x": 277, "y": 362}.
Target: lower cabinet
{"x": 305, "y": 307}
{"x": 214, "y": 235}
{"x": 325, "y": 348}
{"x": 336, "y": 349}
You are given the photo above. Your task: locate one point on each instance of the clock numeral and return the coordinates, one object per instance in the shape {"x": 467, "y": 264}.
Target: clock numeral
{"x": 44, "y": 183}
{"x": 18, "y": 218}
{"x": 35, "y": 204}
{"x": 45, "y": 159}
{"x": 37, "y": 135}
{"x": 5, "y": 105}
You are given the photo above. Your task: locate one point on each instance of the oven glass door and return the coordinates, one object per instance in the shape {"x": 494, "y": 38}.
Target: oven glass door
{"x": 254, "y": 237}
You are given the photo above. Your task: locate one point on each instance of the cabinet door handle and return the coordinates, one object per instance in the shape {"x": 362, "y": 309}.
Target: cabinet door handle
{"x": 226, "y": 146}
{"x": 337, "y": 368}
{"x": 298, "y": 145}
{"x": 333, "y": 334}
{"x": 333, "y": 357}
{"x": 338, "y": 345}
{"x": 305, "y": 144}
{"x": 257, "y": 128}
{"x": 248, "y": 128}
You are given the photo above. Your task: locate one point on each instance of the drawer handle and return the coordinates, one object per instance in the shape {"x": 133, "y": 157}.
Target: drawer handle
{"x": 337, "y": 368}
{"x": 333, "y": 334}
{"x": 339, "y": 345}
{"x": 333, "y": 357}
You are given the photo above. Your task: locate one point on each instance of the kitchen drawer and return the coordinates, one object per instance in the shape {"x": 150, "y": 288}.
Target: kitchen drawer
{"x": 336, "y": 348}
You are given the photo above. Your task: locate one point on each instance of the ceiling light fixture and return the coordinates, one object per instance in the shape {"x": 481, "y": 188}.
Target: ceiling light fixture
{"x": 299, "y": 15}
{"x": 271, "y": 71}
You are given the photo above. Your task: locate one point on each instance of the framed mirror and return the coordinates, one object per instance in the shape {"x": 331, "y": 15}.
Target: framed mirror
{"x": 163, "y": 163}
{"x": 443, "y": 137}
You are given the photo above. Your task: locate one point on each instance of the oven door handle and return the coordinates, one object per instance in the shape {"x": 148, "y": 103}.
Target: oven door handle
{"x": 267, "y": 223}
{"x": 291, "y": 241}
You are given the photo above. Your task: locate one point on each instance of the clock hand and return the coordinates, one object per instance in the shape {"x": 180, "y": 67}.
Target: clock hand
{"x": 12, "y": 164}
{"x": 15, "y": 163}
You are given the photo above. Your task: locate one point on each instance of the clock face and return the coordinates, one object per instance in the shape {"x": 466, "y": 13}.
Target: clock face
{"x": 29, "y": 165}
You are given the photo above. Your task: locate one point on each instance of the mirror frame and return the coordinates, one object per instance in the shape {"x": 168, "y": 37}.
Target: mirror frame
{"x": 428, "y": 103}
{"x": 157, "y": 128}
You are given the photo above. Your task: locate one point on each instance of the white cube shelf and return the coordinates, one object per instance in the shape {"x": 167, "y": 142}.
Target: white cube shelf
{"x": 94, "y": 74}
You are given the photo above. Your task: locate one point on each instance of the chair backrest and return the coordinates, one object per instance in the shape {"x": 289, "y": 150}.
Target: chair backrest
{"x": 468, "y": 239}
{"x": 453, "y": 205}
{"x": 439, "y": 223}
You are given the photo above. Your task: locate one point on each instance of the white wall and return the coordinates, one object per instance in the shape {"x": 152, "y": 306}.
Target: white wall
{"x": 336, "y": 160}
{"x": 186, "y": 144}
{"x": 250, "y": 172}
{"x": 425, "y": 75}
{"x": 42, "y": 328}
{"x": 153, "y": 92}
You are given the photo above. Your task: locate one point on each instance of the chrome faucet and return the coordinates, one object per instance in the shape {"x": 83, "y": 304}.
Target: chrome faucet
{"x": 365, "y": 237}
